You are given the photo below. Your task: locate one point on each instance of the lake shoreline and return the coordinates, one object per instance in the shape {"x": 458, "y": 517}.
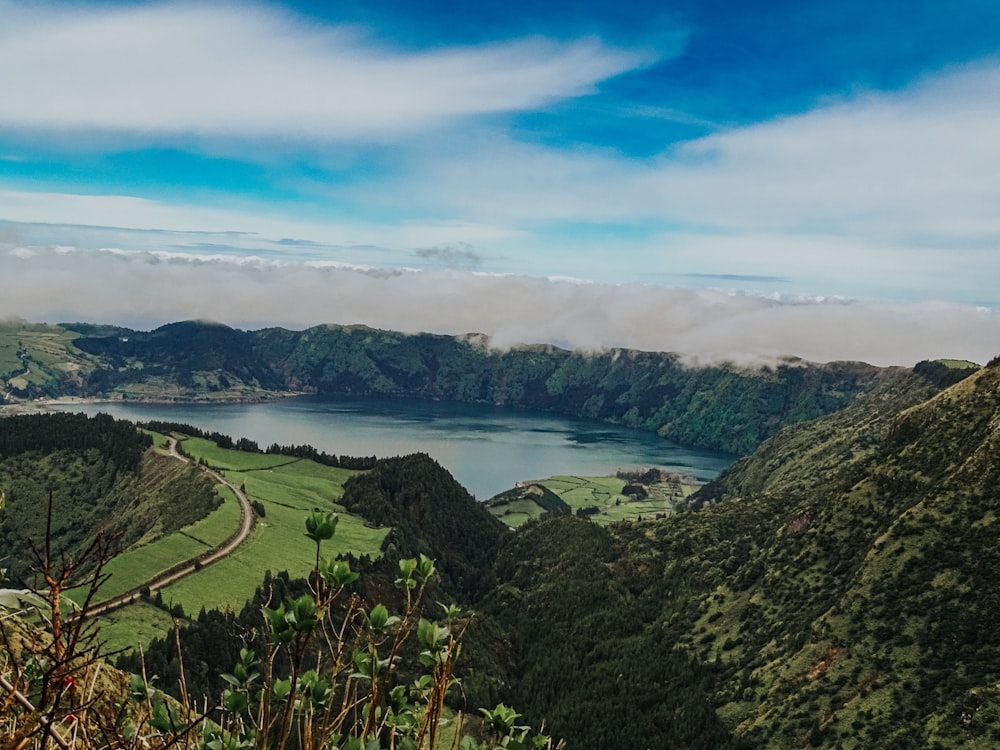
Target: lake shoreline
{"x": 486, "y": 447}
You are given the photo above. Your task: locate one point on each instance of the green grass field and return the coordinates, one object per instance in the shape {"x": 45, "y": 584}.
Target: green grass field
{"x": 227, "y": 459}
{"x": 288, "y": 488}
{"x": 518, "y": 512}
{"x": 134, "y": 626}
{"x": 49, "y": 349}
{"x": 604, "y": 493}
{"x": 134, "y": 567}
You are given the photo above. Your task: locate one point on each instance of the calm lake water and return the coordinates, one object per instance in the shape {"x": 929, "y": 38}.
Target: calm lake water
{"x": 487, "y": 449}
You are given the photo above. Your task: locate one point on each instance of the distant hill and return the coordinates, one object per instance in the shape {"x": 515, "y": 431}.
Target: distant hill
{"x": 721, "y": 407}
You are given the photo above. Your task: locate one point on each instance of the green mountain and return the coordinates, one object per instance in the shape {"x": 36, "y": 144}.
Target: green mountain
{"x": 839, "y": 588}
{"x": 722, "y": 407}
{"x": 861, "y": 607}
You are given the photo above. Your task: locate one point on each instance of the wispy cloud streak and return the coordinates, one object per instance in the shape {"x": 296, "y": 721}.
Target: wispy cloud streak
{"x": 248, "y": 70}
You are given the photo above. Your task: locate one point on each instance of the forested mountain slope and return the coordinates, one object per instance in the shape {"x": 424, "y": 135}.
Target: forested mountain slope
{"x": 852, "y": 571}
{"x": 723, "y": 407}
{"x": 102, "y": 476}
{"x": 837, "y": 588}
{"x": 840, "y": 588}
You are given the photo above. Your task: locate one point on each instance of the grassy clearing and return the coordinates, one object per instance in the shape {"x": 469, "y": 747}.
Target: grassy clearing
{"x": 603, "y": 493}
{"x": 134, "y": 626}
{"x": 288, "y": 488}
{"x": 226, "y": 459}
{"x": 518, "y": 512}
{"x": 160, "y": 441}
{"x": 134, "y": 567}
{"x": 47, "y": 350}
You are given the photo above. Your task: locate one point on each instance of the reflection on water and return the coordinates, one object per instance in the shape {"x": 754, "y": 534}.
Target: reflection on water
{"x": 487, "y": 449}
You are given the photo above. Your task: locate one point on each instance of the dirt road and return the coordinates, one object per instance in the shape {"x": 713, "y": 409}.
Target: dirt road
{"x": 188, "y": 567}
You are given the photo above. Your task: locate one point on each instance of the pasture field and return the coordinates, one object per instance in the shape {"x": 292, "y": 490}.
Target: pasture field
{"x": 134, "y": 567}
{"x": 47, "y": 349}
{"x": 602, "y": 493}
{"x": 160, "y": 441}
{"x": 288, "y": 488}
{"x": 518, "y": 512}
{"x": 229, "y": 459}
{"x": 133, "y": 626}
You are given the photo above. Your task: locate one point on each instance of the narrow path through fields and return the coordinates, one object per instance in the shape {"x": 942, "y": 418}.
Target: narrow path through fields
{"x": 187, "y": 567}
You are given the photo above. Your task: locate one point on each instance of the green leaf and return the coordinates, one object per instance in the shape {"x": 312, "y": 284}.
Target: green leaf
{"x": 425, "y": 568}
{"x": 160, "y": 720}
{"x": 234, "y": 701}
{"x": 379, "y": 620}
{"x": 320, "y": 525}
{"x": 363, "y": 663}
{"x": 137, "y": 687}
{"x": 337, "y": 572}
{"x": 281, "y": 689}
{"x": 302, "y": 614}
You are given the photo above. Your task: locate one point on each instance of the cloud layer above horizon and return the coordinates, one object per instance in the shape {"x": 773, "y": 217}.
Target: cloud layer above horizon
{"x": 144, "y": 290}
{"x": 440, "y": 170}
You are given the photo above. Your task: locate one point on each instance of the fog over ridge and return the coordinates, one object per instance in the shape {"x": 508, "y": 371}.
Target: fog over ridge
{"x": 144, "y": 289}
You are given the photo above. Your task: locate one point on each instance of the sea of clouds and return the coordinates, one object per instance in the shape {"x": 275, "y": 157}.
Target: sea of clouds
{"x": 144, "y": 289}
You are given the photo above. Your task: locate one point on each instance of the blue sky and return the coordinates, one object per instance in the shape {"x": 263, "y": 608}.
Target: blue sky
{"x": 730, "y": 179}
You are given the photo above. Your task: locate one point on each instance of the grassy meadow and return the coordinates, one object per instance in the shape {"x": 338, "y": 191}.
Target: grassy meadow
{"x": 36, "y": 354}
{"x": 287, "y": 488}
{"x": 602, "y": 493}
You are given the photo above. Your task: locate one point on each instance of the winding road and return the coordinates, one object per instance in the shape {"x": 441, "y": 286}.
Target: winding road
{"x": 188, "y": 567}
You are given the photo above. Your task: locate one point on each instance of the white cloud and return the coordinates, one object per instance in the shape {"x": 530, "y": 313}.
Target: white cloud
{"x": 877, "y": 177}
{"x": 146, "y": 289}
{"x": 248, "y": 70}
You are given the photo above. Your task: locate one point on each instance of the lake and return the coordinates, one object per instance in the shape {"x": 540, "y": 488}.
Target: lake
{"x": 487, "y": 449}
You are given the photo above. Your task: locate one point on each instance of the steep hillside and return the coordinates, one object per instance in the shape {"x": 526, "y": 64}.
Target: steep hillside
{"x": 839, "y": 588}
{"x": 855, "y": 586}
{"x": 102, "y": 476}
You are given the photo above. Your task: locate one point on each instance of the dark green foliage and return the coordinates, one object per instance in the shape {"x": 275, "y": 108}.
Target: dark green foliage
{"x": 838, "y": 586}
{"x": 854, "y": 573}
{"x": 118, "y": 443}
{"x": 102, "y": 479}
{"x": 539, "y": 494}
{"x": 589, "y": 662}
{"x": 941, "y": 374}
{"x": 429, "y": 512}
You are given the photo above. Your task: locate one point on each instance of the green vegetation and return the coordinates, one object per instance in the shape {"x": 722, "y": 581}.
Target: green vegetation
{"x": 132, "y": 568}
{"x": 602, "y": 499}
{"x": 102, "y": 478}
{"x": 36, "y": 358}
{"x": 323, "y": 671}
{"x": 284, "y": 488}
{"x": 721, "y": 407}
{"x": 134, "y": 626}
{"x": 834, "y": 589}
